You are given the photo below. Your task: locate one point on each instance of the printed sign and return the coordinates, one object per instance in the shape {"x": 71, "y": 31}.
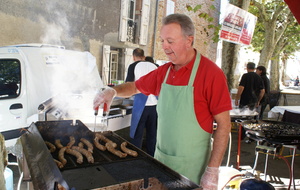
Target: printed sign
{"x": 238, "y": 25}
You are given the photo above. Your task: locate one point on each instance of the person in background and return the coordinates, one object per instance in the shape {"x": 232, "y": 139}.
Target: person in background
{"x": 251, "y": 89}
{"x": 296, "y": 81}
{"x": 144, "y": 115}
{"x": 262, "y": 72}
{"x": 150, "y": 59}
{"x": 193, "y": 93}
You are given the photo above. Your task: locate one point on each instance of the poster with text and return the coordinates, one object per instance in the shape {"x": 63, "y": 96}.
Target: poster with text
{"x": 238, "y": 25}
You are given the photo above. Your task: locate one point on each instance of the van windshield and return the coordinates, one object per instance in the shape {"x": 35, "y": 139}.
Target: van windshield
{"x": 10, "y": 78}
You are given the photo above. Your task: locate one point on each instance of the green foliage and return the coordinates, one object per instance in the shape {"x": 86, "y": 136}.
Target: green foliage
{"x": 210, "y": 20}
{"x": 289, "y": 41}
{"x": 212, "y": 7}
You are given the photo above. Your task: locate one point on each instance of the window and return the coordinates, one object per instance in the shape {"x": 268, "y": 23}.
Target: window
{"x": 114, "y": 60}
{"x": 112, "y": 68}
{"x": 134, "y": 21}
{"x": 145, "y": 22}
{"x": 127, "y": 24}
{"x": 170, "y": 7}
{"x": 10, "y": 78}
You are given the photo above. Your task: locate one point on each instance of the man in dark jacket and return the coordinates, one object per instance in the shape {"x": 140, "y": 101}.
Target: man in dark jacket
{"x": 251, "y": 89}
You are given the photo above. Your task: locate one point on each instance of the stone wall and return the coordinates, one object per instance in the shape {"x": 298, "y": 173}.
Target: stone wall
{"x": 75, "y": 24}
{"x": 203, "y": 42}
{"x": 88, "y": 25}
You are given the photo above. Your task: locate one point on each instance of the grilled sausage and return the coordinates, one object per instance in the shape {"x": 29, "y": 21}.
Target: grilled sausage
{"x": 58, "y": 163}
{"x": 86, "y": 153}
{"x": 71, "y": 142}
{"x": 106, "y": 140}
{"x": 127, "y": 150}
{"x": 61, "y": 155}
{"x": 80, "y": 144}
{"x": 88, "y": 144}
{"x": 98, "y": 145}
{"x": 75, "y": 153}
{"x": 51, "y": 146}
{"x": 116, "y": 152}
{"x": 58, "y": 144}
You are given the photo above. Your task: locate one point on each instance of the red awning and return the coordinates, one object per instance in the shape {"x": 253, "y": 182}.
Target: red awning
{"x": 294, "y": 5}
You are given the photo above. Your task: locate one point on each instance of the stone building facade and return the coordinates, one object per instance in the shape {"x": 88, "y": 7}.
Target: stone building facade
{"x": 203, "y": 41}
{"x": 109, "y": 29}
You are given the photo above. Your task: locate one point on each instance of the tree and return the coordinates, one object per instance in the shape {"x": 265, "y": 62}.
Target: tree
{"x": 276, "y": 35}
{"x": 230, "y": 51}
{"x": 286, "y": 46}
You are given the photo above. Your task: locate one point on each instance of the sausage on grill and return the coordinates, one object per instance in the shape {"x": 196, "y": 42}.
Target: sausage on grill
{"x": 75, "y": 153}
{"x": 80, "y": 144}
{"x": 58, "y": 144}
{"x": 51, "y": 146}
{"x": 98, "y": 145}
{"x": 71, "y": 142}
{"x": 88, "y": 144}
{"x": 61, "y": 155}
{"x": 86, "y": 153}
{"x": 58, "y": 163}
{"x": 106, "y": 140}
{"x": 116, "y": 152}
{"x": 127, "y": 150}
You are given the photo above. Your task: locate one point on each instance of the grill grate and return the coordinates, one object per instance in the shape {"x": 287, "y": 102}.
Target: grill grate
{"x": 273, "y": 131}
{"x": 108, "y": 169}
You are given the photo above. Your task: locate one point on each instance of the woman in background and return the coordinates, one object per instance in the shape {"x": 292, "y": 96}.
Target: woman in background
{"x": 262, "y": 72}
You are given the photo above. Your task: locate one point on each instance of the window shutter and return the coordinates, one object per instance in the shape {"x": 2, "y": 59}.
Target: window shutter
{"x": 123, "y": 20}
{"x": 145, "y": 22}
{"x": 170, "y": 7}
{"x": 105, "y": 64}
{"x": 128, "y": 59}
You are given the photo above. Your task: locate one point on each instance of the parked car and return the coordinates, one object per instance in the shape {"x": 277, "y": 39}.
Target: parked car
{"x": 33, "y": 73}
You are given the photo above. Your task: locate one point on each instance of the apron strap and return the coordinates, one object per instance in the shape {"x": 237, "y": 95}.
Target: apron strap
{"x": 195, "y": 69}
{"x": 167, "y": 74}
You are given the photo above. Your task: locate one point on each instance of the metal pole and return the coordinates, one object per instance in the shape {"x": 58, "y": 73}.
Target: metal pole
{"x": 239, "y": 147}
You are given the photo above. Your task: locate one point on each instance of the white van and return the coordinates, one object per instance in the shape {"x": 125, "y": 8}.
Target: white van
{"x": 32, "y": 73}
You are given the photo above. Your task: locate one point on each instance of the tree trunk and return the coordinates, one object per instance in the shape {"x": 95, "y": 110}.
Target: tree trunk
{"x": 269, "y": 45}
{"x": 230, "y": 52}
{"x": 274, "y": 75}
{"x": 284, "y": 75}
{"x": 274, "y": 26}
{"x": 229, "y": 62}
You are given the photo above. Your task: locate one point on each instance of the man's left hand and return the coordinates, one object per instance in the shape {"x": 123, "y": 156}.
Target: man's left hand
{"x": 209, "y": 180}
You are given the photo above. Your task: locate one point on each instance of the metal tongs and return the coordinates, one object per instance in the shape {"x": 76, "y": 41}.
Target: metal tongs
{"x": 104, "y": 115}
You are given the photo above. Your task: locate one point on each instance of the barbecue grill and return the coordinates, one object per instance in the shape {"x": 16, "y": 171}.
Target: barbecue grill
{"x": 274, "y": 132}
{"x": 108, "y": 170}
{"x": 238, "y": 115}
{"x": 79, "y": 106}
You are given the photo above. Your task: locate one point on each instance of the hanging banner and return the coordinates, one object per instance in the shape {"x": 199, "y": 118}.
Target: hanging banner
{"x": 238, "y": 25}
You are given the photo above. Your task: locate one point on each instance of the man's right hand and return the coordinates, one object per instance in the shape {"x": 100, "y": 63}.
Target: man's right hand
{"x": 105, "y": 96}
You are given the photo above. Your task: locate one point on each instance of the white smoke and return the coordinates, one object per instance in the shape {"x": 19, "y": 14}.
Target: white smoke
{"x": 57, "y": 27}
{"x": 75, "y": 79}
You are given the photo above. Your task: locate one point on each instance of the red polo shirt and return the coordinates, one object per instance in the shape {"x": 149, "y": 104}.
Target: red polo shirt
{"x": 211, "y": 94}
